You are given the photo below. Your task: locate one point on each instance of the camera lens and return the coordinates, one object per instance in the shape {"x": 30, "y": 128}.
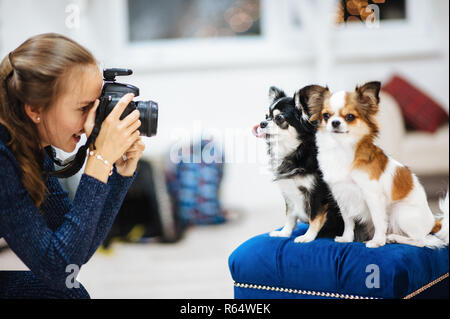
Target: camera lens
{"x": 148, "y": 116}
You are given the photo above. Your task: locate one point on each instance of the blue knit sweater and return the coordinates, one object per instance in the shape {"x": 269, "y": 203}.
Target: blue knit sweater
{"x": 67, "y": 232}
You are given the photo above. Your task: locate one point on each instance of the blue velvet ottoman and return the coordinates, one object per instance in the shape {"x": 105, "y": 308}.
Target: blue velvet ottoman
{"x": 273, "y": 267}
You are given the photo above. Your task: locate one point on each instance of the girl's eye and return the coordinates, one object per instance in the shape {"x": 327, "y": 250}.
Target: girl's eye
{"x": 326, "y": 116}
{"x": 86, "y": 108}
{"x": 349, "y": 117}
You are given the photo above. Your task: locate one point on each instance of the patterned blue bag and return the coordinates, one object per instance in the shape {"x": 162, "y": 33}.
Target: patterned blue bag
{"x": 193, "y": 182}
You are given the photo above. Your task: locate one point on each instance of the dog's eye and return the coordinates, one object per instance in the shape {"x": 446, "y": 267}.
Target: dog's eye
{"x": 326, "y": 116}
{"x": 279, "y": 118}
{"x": 349, "y": 117}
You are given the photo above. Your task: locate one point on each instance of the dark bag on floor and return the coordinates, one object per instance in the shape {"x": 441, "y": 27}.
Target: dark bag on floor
{"x": 146, "y": 211}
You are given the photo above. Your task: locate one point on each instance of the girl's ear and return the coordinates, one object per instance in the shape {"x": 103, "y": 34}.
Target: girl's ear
{"x": 34, "y": 113}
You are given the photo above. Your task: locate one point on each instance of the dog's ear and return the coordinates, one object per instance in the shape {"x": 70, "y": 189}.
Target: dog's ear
{"x": 310, "y": 99}
{"x": 275, "y": 94}
{"x": 368, "y": 96}
{"x": 301, "y": 107}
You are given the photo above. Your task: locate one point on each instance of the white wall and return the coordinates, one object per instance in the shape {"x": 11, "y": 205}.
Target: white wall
{"x": 228, "y": 100}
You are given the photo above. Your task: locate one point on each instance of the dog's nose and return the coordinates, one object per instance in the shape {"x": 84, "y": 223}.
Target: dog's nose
{"x": 335, "y": 123}
{"x": 263, "y": 124}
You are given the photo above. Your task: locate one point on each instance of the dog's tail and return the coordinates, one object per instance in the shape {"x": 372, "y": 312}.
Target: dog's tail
{"x": 439, "y": 234}
{"x": 442, "y": 233}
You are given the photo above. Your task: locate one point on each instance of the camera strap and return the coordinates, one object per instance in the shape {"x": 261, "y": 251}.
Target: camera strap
{"x": 74, "y": 163}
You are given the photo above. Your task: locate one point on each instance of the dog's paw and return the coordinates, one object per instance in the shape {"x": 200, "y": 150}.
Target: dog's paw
{"x": 279, "y": 233}
{"x": 304, "y": 239}
{"x": 392, "y": 238}
{"x": 343, "y": 239}
{"x": 376, "y": 242}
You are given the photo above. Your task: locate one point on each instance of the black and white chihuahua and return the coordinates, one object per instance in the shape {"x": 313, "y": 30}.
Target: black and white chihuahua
{"x": 292, "y": 150}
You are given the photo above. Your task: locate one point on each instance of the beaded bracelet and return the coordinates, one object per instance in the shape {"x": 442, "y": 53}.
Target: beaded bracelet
{"x": 99, "y": 157}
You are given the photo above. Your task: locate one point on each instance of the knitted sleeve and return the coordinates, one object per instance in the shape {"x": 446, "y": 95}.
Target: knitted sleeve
{"x": 47, "y": 252}
{"x": 119, "y": 186}
{"x": 58, "y": 204}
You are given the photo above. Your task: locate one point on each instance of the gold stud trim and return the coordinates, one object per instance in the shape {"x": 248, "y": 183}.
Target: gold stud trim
{"x": 334, "y": 295}
{"x": 420, "y": 290}
{"x": 302, "y": 292}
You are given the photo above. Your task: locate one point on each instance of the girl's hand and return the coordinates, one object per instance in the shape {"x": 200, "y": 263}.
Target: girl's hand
{"x": 116, "y": 136}
{"x": 133, "y": 154}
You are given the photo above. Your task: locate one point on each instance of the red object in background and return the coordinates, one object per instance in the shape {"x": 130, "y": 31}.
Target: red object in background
{"x": 419, "y": 110}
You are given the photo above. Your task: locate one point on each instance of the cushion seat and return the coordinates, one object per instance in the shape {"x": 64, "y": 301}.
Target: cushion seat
{"x": 275, "y": 267}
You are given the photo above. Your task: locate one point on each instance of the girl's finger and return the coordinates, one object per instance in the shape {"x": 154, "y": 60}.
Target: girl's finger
{"x": 90, "y": 119}
{"x": 121, "y": 105}
{"x": 132, "y": 155}
{"x": 131, "y": 118}
{"x": 137, "y": 146}
{"x": 133, "y": 127}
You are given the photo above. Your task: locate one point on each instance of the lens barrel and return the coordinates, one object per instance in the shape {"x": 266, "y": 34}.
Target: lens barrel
{"x": 148, "y": 116}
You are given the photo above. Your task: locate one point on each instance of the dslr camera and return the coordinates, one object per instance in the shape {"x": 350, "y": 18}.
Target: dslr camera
{"x": 113, "y": 91}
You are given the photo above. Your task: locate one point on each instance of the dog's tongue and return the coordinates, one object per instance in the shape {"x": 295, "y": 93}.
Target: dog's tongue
{"x": 256, "y": 131}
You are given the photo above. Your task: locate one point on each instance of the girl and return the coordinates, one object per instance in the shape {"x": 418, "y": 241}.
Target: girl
{"x": 49, "y": 87}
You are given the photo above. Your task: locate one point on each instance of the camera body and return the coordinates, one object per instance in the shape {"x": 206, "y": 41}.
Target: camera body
{"x": 113, "y": 91}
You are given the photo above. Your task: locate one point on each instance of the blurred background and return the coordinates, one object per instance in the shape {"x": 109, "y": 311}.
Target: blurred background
{"x": 209, "y": 65}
